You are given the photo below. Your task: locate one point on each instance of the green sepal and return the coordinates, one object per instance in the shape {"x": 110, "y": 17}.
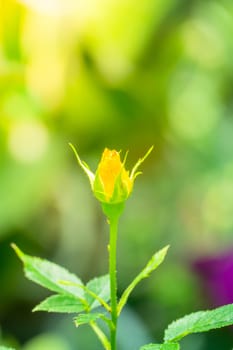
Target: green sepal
{"x": 113, "y": 211}
{"x": 84, "y": 166}
{"x": 121, "y": 192}
{"x": 134, "y": 172}
{"x": 98, "y": 188}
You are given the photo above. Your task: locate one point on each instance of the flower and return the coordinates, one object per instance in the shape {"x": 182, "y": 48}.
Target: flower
{"x": 112, "y": 183}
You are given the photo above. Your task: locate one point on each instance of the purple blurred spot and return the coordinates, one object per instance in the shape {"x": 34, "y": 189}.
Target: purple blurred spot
{"x": 216, "y": 274}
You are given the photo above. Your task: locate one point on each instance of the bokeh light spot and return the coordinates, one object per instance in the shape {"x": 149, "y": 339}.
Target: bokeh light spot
{"x": 194, "y": 106}
{"x": 27, "y": 141}
{"x": 203, "y": 43}
{"x": 218, "y": 202}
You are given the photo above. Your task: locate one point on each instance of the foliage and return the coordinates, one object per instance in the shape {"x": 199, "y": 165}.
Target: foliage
{"x": 72, "y": 299}
{"x": 201, "y": 321}
{"x": 72, "y": 296}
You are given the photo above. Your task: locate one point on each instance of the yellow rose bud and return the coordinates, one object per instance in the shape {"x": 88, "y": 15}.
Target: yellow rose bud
{"x": 112, "y": 183}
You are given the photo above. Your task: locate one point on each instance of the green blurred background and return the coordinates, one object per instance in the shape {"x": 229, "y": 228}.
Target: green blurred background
{"x": 124, "y": 74}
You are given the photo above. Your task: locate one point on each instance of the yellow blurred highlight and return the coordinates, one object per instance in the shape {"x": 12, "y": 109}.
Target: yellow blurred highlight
{"x": 114, "y": 41}
{"x": 46, "y": 58}
{"x": 27, "y": 141}
{"x": 56, "y": 7}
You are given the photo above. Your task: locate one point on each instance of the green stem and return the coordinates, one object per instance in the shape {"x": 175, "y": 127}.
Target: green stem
{"x": 113, "y": 221}
{"x": 113, "y": 212}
